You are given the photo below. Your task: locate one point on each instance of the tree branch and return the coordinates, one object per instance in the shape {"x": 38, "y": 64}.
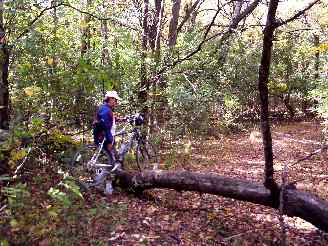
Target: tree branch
{"x": 100, "y": 18}
{"x": 174, "y": 63}
{"x": 27, "y": 29}
{"x": 232, "y": 26}
{"x": 187, "y": 16}
{"x": 298, "y": 14}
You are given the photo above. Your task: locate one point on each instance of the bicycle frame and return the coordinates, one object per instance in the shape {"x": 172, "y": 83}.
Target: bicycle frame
{"x": 124, "y": 148}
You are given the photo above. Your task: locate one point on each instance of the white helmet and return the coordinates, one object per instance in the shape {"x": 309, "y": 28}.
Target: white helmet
{"x": 112, "y": 94}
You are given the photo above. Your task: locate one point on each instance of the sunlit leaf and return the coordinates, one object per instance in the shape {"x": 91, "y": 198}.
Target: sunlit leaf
{"x": 50, "y": 61}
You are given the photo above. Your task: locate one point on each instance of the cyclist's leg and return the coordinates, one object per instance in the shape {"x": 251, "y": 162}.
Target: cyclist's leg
{"x": 105, "y": 158}
{"x": 110, "y": 153}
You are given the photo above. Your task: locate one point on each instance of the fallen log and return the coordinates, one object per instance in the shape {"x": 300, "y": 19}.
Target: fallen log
{"x": 297, "y": 203}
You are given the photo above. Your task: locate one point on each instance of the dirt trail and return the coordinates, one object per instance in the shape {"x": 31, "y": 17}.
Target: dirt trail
{"x": 186, "y": 218}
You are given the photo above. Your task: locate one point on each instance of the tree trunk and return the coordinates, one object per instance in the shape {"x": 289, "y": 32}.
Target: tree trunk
{"x": 224, "y": 44}
{"x": 190, "y": 14}
{"x": 296, "y": 203}
{"x": 4, "y": 93}
{"x": 174, "y": 23}
{"x": 159, "y": 13}
{"x": 4, "y": 63}
{"x": 85, "y": 42}
{"x": 4, "y": 88}
{"x": 288, "y": 105}
{"x": 153, "y": 26}
{"x": 264, "y": 72}
{"x": 105, "y": 55}
{"x": 55, "y": 30}
{"x": 286, "y": 97}
{"x": 317, "y": 56}
{"x": 144, "y": 84}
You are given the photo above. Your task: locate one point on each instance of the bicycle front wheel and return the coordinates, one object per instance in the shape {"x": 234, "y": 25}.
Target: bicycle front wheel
{"x": 146, "y": 156}
{"x": 82, "y": 168}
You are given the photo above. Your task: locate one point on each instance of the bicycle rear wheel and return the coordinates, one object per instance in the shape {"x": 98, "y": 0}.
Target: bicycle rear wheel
{"x": 146, "y": 156}
{"x": 82, "y": 170}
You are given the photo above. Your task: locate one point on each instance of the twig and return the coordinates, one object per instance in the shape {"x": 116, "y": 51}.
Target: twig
{"x": 306, "y": 158}
{"x": 225, "y": 35}
{"x": 192, "y": 86}
{"x": 310, "y": 155}
{"x": 25, "y": 158}
{"x": 98, "y": 17}
{"x": 3, "y": 207}
{"x": 27, "y": 29}
{"x": 189, "y": 11}
{"x": 298, "y": 14}
{"x": 239, "y": 234}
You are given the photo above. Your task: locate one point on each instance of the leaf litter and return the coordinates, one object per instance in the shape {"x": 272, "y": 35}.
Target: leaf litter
{"x": 168, "y": 217}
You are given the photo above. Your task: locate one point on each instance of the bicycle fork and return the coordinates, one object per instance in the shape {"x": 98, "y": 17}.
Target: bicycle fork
{"x": 95, "y": 156}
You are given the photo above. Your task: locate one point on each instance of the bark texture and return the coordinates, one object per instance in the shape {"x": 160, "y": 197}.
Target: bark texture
{"x": 174, "y": 23}
{"x": 4, "y": 63}
{"x": 296, "y": 203}
{"x": 4, "y": 87}
{"x": 144, "y": 84}
{"x": 264, "y": 72}
{"x": 86, "y": 34}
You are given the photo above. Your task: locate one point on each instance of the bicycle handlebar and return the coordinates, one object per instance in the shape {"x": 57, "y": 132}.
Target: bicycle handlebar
{"x": 136, "y": 119}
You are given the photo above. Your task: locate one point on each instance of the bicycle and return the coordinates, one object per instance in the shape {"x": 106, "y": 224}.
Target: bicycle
{"x": 92, "y": 165}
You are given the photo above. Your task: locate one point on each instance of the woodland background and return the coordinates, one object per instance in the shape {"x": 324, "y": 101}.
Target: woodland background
{"x": 199, "y": 70}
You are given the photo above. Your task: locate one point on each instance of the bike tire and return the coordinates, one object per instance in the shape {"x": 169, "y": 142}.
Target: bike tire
{"x": 146, "y": 156}
{"x": 81, "y": 171}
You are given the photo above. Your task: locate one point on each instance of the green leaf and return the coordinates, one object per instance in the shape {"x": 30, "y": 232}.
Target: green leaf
{"x": 4, "y": 242}
{"x": 71, "y": 185}
{"x": 60, "y": 197}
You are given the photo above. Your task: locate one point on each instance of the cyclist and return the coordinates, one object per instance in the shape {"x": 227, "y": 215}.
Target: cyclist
{"x": 104, "y": 122}
{"x": 104, "y": 129}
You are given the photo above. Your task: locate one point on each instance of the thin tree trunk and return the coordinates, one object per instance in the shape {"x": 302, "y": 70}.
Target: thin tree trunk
{"x": 144, "y": 84}
{"x": 85, "y": 42}
{"x": 224, "y": 44}
{"x": 159, "y": 29}
{"x": 286, "y": 97}
{"x": 190, "y": 12}
{"x": 317, "y": 56}
{"x": 55, "y": 29}
{"x": 155, "y": 113}
{"x": 105, "y": 58}
{"x": 4, "y": 92}
{"x": 264, "y": 72}
{"x": 4, "y": 64}
{"x": 104, "y": 52}
{"x": 52, "y": 63}
{"x": 174, "y": 23}
{"x": 85, "y": 47}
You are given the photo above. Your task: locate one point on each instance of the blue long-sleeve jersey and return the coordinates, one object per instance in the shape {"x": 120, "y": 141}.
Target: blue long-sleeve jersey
{"x": 103, "y": 124}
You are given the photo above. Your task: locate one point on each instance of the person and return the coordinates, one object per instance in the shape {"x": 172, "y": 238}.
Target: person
{"x": 104, "y": 122}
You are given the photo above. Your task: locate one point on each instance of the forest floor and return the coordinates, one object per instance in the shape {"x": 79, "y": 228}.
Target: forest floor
{"x": 168, "y": 217}
{"x": 188, "y": 218}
